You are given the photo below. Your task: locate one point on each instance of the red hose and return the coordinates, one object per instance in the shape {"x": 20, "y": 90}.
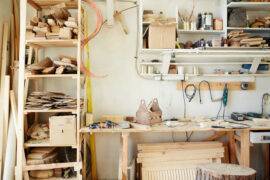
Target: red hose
{"x": 92, "y": 35}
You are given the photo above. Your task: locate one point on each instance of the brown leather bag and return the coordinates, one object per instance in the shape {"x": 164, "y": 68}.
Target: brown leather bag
{"x": 149, "y": 116}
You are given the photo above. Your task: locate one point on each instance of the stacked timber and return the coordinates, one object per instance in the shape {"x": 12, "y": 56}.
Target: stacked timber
{"x": 242, "y": 39}
{"x": 62, "y": 65}
{"x": 58, "y": 24}
{"x": 161, "y": 160}
{"x": 50, "y": 100}
{"x": 42, "y": 155}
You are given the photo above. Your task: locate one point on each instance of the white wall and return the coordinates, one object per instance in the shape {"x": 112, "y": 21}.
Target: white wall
{"x": 112, "y": 53}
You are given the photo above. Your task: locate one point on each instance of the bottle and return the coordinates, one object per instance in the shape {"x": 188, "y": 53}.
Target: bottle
{"x": 203, "y": 21}
{"x": 209, "y": 21}
{"x": 199, "y": 21}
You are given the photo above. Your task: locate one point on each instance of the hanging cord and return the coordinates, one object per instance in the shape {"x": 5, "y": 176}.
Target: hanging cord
{"x": 188, "y": 137}
{"x": 99, "y": 22}
{"x": 264, "y": 99}
{"x": 190, "y": 97}
{"x": 184, "y": 99}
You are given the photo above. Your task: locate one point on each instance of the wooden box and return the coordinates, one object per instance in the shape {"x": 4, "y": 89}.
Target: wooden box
{"x": 162, "y": 36}
{"x": 62, "y": 130}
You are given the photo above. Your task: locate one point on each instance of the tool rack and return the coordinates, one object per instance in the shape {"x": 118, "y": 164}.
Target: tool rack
{"x": 37, "y": 46}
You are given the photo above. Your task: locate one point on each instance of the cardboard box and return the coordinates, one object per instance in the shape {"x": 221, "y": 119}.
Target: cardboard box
{"x": 62, "y": 130}
{"x": 162, "y": 36}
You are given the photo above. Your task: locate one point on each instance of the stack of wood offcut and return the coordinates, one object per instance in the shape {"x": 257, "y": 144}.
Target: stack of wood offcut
{"x": 42, "y": 155}
{"x": 263, "y": 22}
{"x": 63, "y": 65}
{"x": 242, "y": 39}
{"x": 161, "y": 160}
{"x": 58, "y": 24}
{"x": 50, "y": 100}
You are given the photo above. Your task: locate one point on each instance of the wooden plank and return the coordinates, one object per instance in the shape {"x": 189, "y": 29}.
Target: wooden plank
{"x": 232, "y": 150}
{"x": 50, "y": 166}
{"x": 4, "y": 66}
{"x": 125, "y": 137}
{"x": 219, "y": 86}
{"x": 20, "y": 118}
{"x": 266, "y": 175}
{"x": 6, "y": 111}
{"x": 178, "y": 145}
{"x": 180, "y": 152}
{"x": 182, "y": 157}
{"x": 245, "y": 150}
{"x": 15, "y": 119}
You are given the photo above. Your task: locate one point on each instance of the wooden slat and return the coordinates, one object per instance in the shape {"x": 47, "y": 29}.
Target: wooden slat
{"x": 245, "y": 150}
{"x": 50, "y": 166}
{"x": 125, "y": 137}
{"x": 232, "y": 150}
{"x": 215, "y": 86}
{"x": 45, "y": 4}
{"x": 52, "y": 43}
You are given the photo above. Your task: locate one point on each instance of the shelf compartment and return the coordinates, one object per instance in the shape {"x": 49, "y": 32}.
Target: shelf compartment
{"x": 249, "y": 29}
{"x": 52, "y": 42}
{"x": 210, "y": 32}
{"x": 43, "y": 143}
{"x": 37, "y": 76}
{"x": 45, "y": 4}
{"x": 250, "y": 5}
{"x": 73, "y": 111}
{"x": 50, "y": 166}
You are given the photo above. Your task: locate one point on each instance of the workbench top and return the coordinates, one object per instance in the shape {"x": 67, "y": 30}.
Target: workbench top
{"x": 182, "y": 127}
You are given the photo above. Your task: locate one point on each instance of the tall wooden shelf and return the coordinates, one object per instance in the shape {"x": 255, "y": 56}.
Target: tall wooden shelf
{"x": 24, "y": 78}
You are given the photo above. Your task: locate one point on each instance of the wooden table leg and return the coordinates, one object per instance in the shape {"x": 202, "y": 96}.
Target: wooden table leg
{"x": 266, "y": 161}
{"x": 232, "y": 150}
{"x": 245, "y": 149}
{"x": 125, "y": 137}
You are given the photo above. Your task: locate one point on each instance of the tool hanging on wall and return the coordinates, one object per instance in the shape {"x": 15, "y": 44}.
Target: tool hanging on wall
{"x": 224, "y": 101}
{"x": 190, "y": 87}
{"x": 210, "y": 92}
{"x": 265, "y": 99}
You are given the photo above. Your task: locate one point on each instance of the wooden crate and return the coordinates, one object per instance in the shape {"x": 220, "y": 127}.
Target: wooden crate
{"x": 62, "y": 130}
{"x": 162, "y": 36}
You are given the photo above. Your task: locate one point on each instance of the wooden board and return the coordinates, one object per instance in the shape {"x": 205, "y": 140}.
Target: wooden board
{"x": 45, "y": 4}
{"x": 218, "y": 86}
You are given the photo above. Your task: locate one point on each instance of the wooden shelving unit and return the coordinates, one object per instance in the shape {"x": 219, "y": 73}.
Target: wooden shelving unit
{"x": 38, "y": 45}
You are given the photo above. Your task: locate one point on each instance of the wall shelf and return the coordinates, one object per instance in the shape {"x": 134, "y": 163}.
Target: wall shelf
{"x": 38, "y": 76}
{"x": 53, "y": 42}
{"x": 42, "y": 143}
{"x": 27, "y": 111}
{"x": 45, "y": 4}
{"x": 50, "y": 166}
{"x": 210, "y": 32}
{"x": 248, "y": 29}
{"x": 250, "y": 5}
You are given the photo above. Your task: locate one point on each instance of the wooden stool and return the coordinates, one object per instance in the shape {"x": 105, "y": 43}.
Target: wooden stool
{"x": 218, "y": 171}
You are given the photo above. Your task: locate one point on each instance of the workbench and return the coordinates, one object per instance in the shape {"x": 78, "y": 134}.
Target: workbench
{"x": 237, "y": 154}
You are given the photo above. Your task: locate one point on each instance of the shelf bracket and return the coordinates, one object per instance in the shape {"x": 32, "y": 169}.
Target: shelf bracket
{"x": 110, "y": 8}
{"x": 166, "y": 60}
